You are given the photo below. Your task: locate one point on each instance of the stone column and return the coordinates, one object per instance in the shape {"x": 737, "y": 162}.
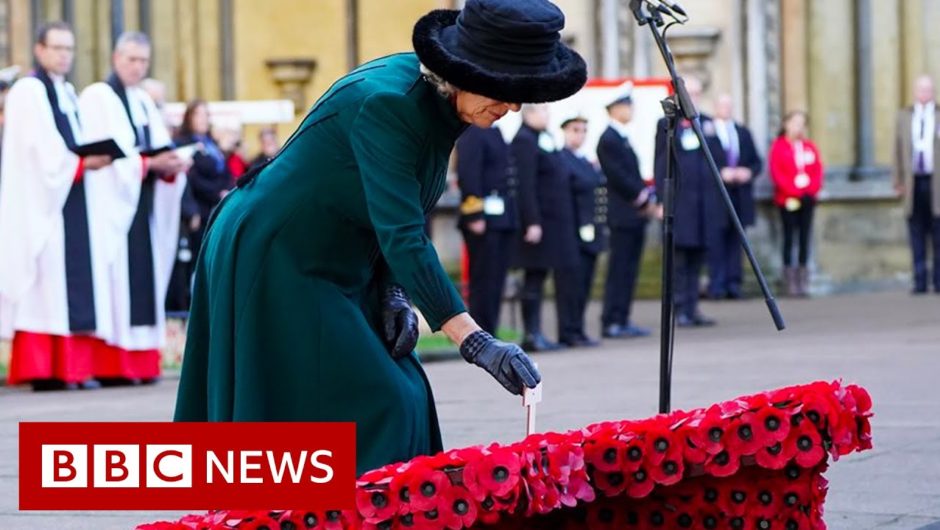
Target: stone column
{"x": 757, "y": 68}
{"x": 888, "y": 81}
{"x": 736, "y": 41}
{"x": 226, "y": 19}
{"x": 865, "y": 139}
{"x": 833, "y": 123}
{"x": 117, "y": 19}
{"x": 610, "y": 39}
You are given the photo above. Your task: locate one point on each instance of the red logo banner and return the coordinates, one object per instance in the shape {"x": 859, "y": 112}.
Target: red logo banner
{"x": 187, "y": 466}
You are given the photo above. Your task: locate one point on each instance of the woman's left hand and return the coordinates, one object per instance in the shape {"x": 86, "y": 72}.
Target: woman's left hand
{"x": 399, "y": 322}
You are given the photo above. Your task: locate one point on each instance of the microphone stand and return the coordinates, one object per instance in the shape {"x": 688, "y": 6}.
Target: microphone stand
{"x": 679, "y": 106}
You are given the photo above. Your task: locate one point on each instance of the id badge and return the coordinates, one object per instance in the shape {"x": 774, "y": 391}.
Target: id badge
{"x": 689, "y": 140}
{"x": 587, "y": 233}
{"x": 494, "y": 205}
{"x": 801, "y": 181}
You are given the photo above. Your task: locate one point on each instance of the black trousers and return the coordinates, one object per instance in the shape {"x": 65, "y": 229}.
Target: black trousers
{"x": 924, "y": 231}
{"x": 725, "y": 269}
{"x": 489, "y": 255}
{"x": 566, "y": 299}
{"x": 798, "y": 224}
{"x": 689, "y": 263}
{"x": 626, "y": 250}
{"x": 586, "y": 279}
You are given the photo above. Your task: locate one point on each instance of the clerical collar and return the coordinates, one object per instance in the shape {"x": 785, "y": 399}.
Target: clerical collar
{"x": 924, "y": 107}
{"x": 620, "y": 128}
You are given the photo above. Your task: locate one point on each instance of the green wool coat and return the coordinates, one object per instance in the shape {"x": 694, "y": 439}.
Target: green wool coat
{"x": 285, "y": 322}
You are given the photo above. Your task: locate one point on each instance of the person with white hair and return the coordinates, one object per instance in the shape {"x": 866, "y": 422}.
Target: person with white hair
{"x": 149, "y": 213}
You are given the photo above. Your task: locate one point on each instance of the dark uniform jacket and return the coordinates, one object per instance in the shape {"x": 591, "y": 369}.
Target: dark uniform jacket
{"x": 544, "y": 199}
{"x": 590, "y": 201}
{"x": 698, "y": 201}
{"x": 483, "y": 172}
{"x": 624, "y": 181}
{"x": 742, "y": 195}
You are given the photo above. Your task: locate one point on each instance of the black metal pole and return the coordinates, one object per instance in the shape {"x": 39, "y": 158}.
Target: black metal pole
{"x": 667, "y": 318}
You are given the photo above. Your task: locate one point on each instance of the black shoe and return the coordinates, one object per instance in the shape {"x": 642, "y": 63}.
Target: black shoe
{"x": 734, "y": 294}
{"x": 717, "y": 295}
{"x": 111, "y": 382}
{"x": 919, "y": 290}
{"x": 52, "y": 385}
{"x": 579, "y": 341}
{"x": 684, "y": 321}
{"x": 702, "y": 321}
{"x": 538, "y": 342}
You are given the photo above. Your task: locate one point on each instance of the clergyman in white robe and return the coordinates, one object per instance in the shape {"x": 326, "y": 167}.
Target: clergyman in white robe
{"x": 138, "y": 291}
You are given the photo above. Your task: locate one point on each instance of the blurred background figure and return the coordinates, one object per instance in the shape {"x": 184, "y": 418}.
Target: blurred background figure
{"x": 209, "y": 178}
{"x": 590, "y": 205}
{"x": 628, "y": 198}
{"x": 118, "y": 108}
{"x": 744, "y": 164}
{"x": 50, "y": 302}
{"x": 797, "y": 173}
{"x": 696, "y": 207}
{"x": 489, "y": 219}
{"x": 548, "y": 242}
{"x": 230, "y": 143}
{"x": 267, "y": 139}
{"x": 917, "y": 148}
{"x": 7, "y": 77}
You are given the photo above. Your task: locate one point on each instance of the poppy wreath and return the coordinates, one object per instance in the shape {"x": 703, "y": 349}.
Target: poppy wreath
{"x": 755, "y": 462}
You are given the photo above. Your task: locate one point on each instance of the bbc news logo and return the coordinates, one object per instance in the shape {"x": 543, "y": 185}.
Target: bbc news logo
{"x": 186, "y": 466}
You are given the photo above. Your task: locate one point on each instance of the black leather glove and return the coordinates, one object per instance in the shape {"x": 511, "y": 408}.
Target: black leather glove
{"x": 399, "y": 322}
{"x": 504, "y": 361}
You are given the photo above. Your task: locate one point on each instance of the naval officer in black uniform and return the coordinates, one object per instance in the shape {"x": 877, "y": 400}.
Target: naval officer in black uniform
{"x": 628, "y": 200}
{"x": 590, "y": 209}
{"x": 488, "y": 218}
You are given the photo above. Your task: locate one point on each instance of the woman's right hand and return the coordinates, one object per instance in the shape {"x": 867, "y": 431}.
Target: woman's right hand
{"x": 533, "y": 235}
{"x": 505, "y": 361}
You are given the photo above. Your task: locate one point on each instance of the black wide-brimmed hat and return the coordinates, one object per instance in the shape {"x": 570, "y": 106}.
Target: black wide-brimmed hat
{"x": 508, "y": 50}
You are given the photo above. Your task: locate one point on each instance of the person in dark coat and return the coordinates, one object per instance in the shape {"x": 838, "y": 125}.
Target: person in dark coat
{"x": 744, "y": 164}
{"x": 590, "y": 209}
{"x": 209, "y": 178}
{"x": 629, "y": 198}
{"x": 548, "y": 243}
{"x": 302, "y": 296}
{"x": 696, "y": 206}
{"x": 488, "y": 218}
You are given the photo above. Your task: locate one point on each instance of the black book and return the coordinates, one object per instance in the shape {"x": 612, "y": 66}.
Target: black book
{"x": 165, "y": 148}
{"x": 102, "y": 147}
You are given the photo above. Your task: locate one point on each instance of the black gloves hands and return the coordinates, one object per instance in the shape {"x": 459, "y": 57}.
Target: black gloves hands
{"x": 399, "y": 322}
{"x": 504, "y": 361}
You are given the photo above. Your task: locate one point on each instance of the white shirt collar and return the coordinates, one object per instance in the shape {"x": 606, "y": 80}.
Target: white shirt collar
{"x": 621, "y": 128}
{"x": 920, "y": 108}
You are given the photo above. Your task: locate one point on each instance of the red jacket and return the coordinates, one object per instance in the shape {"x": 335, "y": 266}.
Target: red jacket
{"x": 784, "y": 170}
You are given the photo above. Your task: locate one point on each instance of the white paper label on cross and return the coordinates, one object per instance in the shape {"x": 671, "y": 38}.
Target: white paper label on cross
{"x": 530, "y": 397}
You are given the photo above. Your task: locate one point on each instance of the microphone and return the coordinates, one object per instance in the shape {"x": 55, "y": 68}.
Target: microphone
{"x": 674, "y": 6}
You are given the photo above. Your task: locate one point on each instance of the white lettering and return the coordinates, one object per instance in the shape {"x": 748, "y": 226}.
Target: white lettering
{"x": 277, "y": 472}
{"x": 328, "y": 470}
{"x": 227, "y": 471}
{"x": 246, "y": 466}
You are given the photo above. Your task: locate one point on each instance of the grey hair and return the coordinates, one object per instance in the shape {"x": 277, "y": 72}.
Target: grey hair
{"x": 134, "y": 37}
{"x": 443, "y": 87}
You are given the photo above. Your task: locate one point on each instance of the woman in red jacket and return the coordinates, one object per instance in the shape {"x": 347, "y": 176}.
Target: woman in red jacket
{"x": 797, "y": 172}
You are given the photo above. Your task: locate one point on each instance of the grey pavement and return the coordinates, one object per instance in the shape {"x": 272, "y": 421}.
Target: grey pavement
{"x": 888, "y": 342}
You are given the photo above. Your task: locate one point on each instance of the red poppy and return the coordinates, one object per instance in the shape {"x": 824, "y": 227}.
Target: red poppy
{"x": 495, "y": 474}
{"x": 862, "y": 399}
{"x": 611, "y": 483}
{"x": 669, "y": 471}
{"x": 741, "y": 436}
{"x": 605, "y": 516}
{"x": 577, "y": 489}
{"x": 640, "y": 483}
{"x": 488, "y": 512}
{"x": 659, "y": 442}
{"x": 710, "y": 433}
{"x": 458, "y": 510}
{"x": 263, "y": 522}
{"x": 334, "y": 520}
{"x": 605, "y": 454}
{"x": 776, "y": 456}
{"x": 425, "y": 488}
{"x": 722, "y": 465}
{"x": 298, "y": 520}
{"x": 771, "y": 425}
{"x": 808, "y": 444}
{"x": 376, "y": 504}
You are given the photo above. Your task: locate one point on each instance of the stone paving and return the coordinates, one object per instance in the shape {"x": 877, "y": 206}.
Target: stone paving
{"x": 888, "y": 342}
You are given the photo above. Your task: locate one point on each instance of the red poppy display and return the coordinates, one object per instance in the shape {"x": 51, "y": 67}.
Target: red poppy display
{"x": 755, "y": 462}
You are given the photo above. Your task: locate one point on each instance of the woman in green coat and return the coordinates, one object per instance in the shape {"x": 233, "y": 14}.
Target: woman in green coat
{"x": 301, "y": 304}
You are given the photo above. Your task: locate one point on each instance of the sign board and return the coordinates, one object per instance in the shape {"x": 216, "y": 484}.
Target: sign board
{"x": 591, "y": 103}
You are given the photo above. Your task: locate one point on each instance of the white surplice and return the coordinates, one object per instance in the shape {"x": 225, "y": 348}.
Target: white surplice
{"x": 36, "y": 176}
{"x": 104, "y": 116}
